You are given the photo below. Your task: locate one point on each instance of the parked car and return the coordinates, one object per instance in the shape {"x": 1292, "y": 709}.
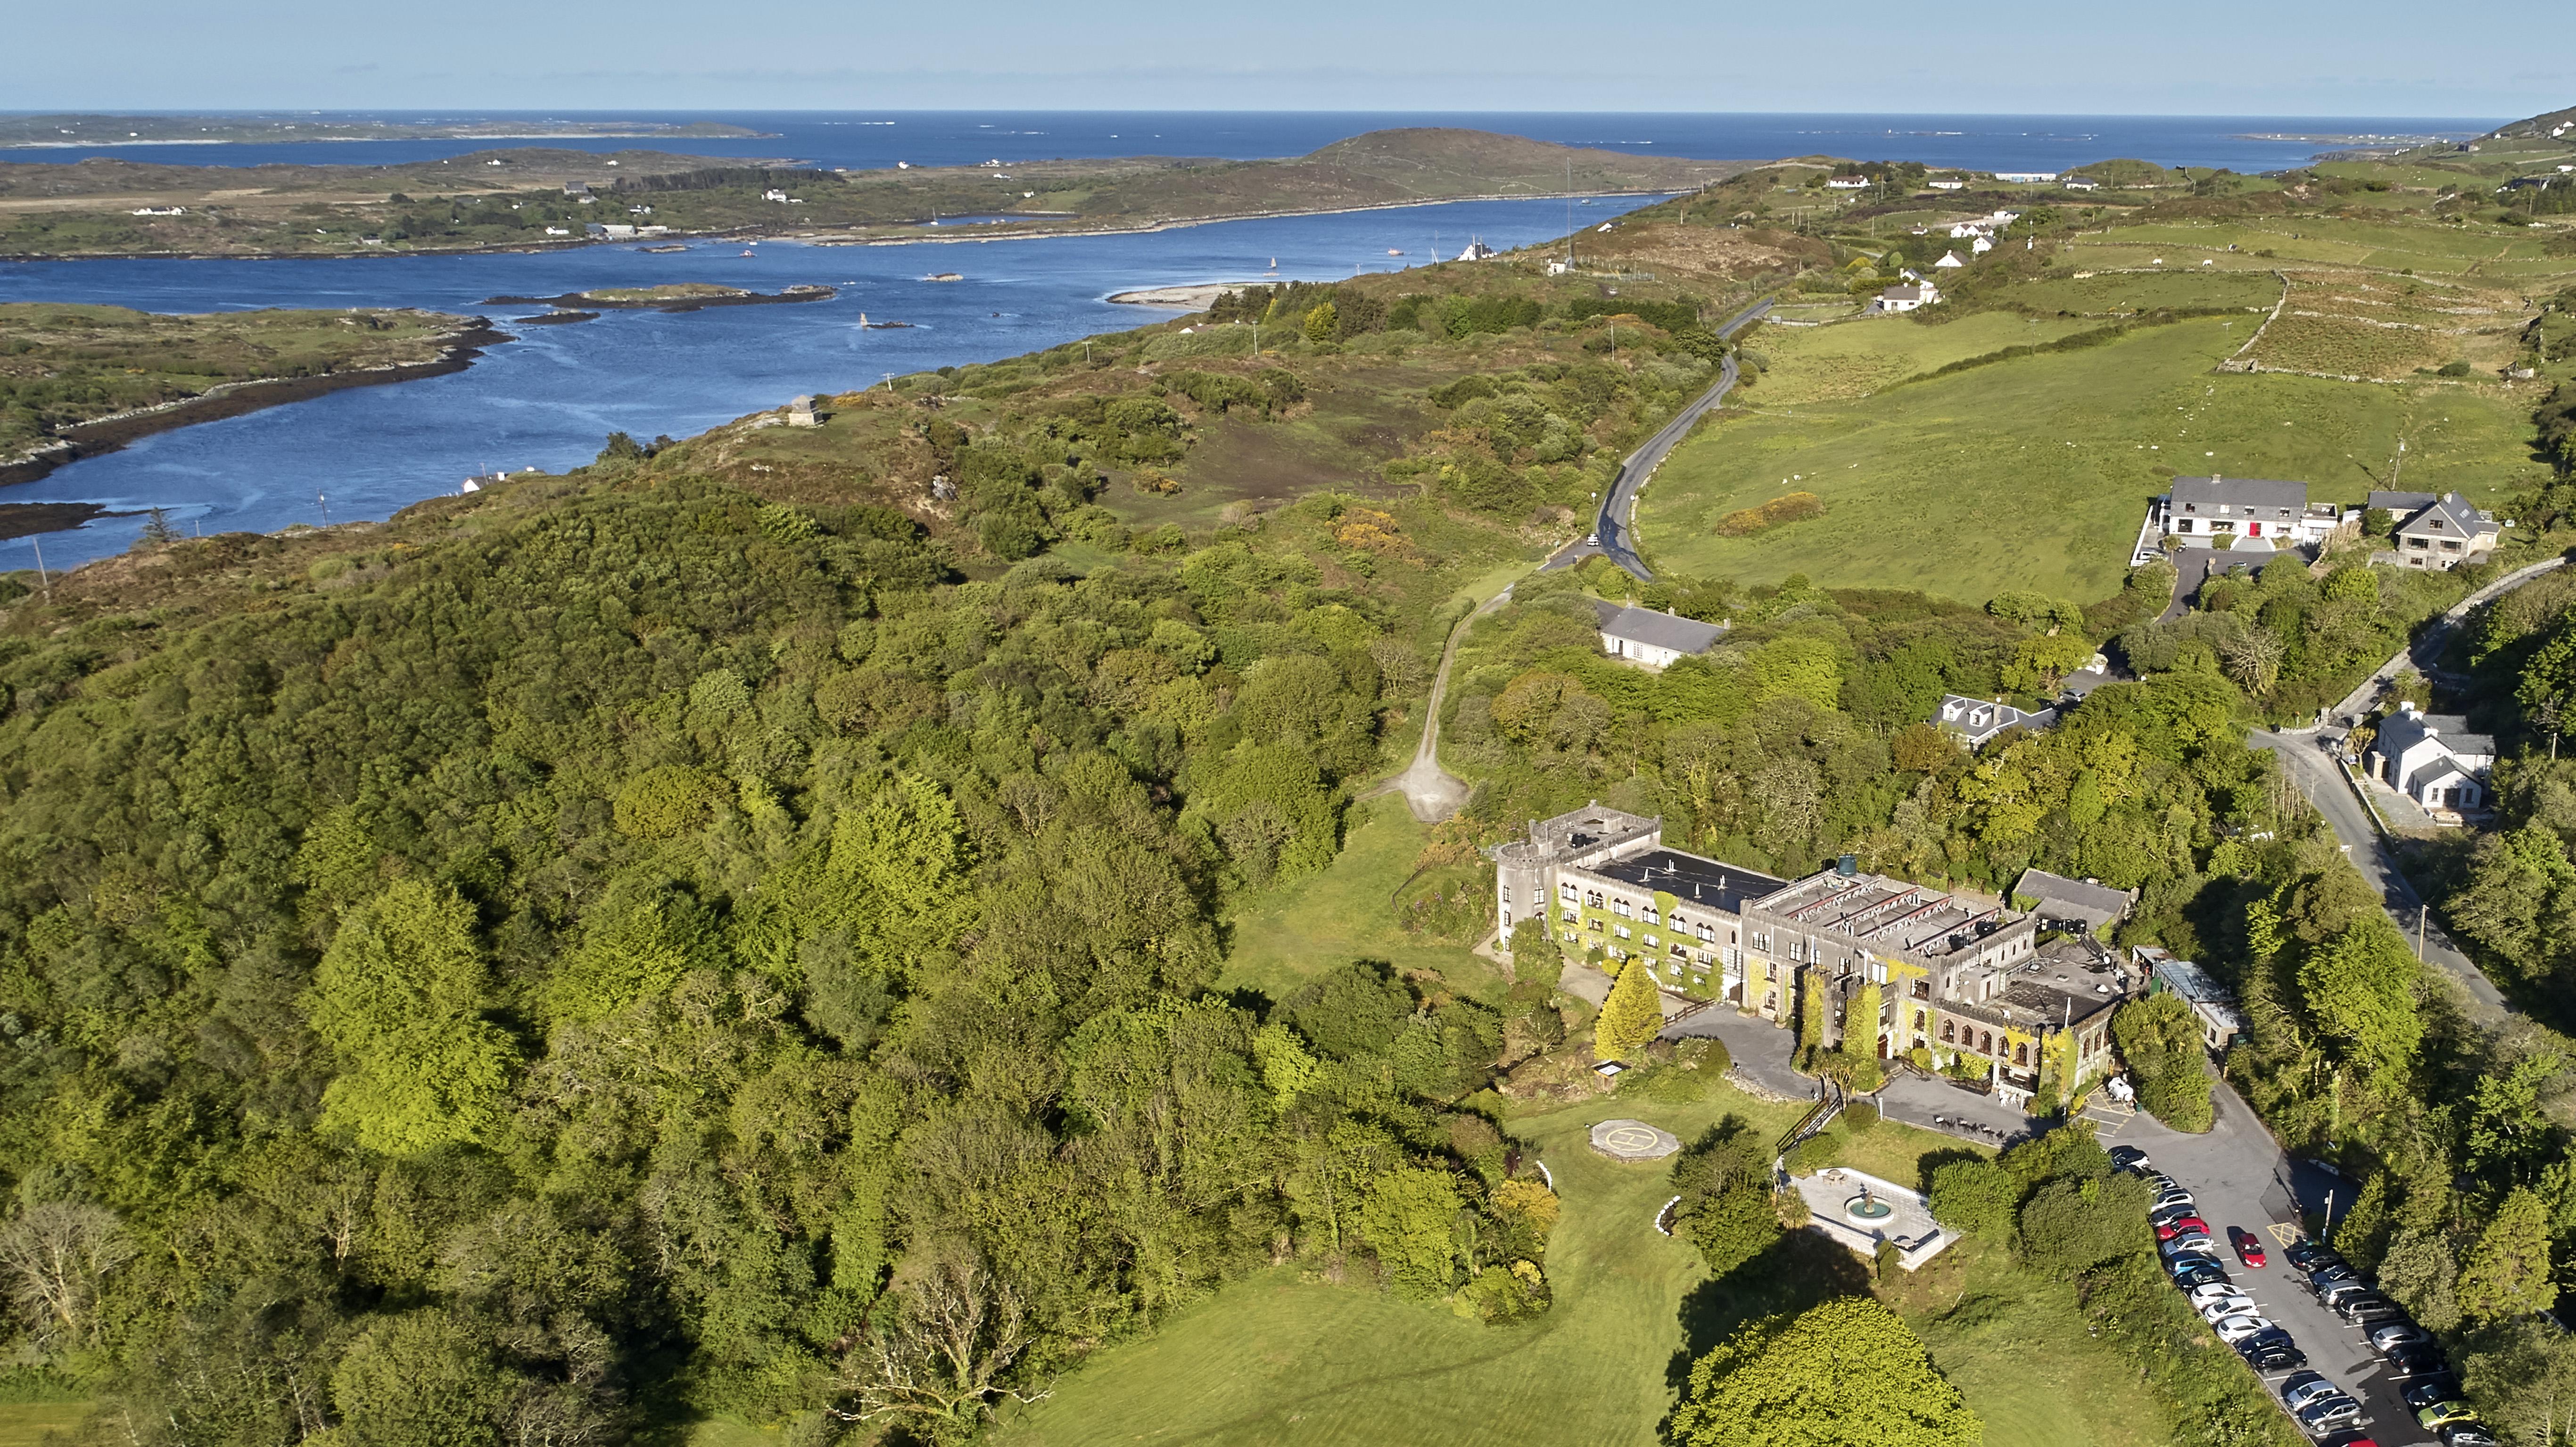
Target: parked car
{"x": 2181, "y": 1226}
{"x": 2171, "y": 1195}
{"x": 2227, "y": 1306}
{"x": 2335, "y": 1291}
{"x": 2271, "y": 1351}
{"x": 2200, "y": 1246}
{"x": 2443, "y": 1414}
{"x": 2418, "y": 1363}
{"x": 2236, "y": 1328}
{"x": 2330, "y": 1414}
{"x": 2191, "y": 1271}
{"x": 2335, "y": 1275}
{"x": 2307, "y": 1255}
{"x": 2368, "y": 1309}
{"x": 2249, "y": 1247}
{"x": 2130, "y": 1158}
{"x": 2166, "y": 1213}
{"x": 2304, "y": 1388}
{"x": 2467, "y": 1434}
{"x": 2200, "y": 1296}
{"x": 2387, "y": 1339}
{"x": 2416, "y": 1395}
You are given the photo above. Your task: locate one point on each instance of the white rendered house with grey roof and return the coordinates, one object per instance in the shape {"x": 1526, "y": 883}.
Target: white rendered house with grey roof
{"x": 1657, "y": 640}
{"x": 2437, "y": 532}
{"x": 2432, "y": 758}
{"x": 2266, "y": 511}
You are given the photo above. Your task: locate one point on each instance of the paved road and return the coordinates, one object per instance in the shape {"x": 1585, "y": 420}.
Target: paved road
{"x": 2305, "y": 760}
{"x": 2240, "y": 1177}
{"x": 2424, "y": 654}
{"x": 1615, "y": 525}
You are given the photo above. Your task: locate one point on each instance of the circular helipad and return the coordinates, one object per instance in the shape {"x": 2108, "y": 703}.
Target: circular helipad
{"x": 1633, "y": 1140}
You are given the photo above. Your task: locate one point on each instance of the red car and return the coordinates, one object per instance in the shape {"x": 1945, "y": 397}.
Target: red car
{"x": 2249, "y": 1247}
{"x": 2183, "y": 1226}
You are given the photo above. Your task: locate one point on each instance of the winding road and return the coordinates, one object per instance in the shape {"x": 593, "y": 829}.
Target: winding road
{"x": 1614, "y": 530}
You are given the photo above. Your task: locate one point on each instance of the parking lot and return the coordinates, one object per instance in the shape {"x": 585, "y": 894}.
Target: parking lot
{"x": 2240, "y": 1177}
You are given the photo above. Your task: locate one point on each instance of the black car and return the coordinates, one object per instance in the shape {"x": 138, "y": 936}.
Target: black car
{"x": 2467, "y": 1434}
{"x": 2369, "y": 1308}
{"x": 2274, "y": 1344}
{"x": 2307, "y": 1255}
{"x": 2417, "y": 1395}
{"x": 2409, "y": 1364}
{"x": 2129, "y": 1158}
{"x": 2326, "y": 1277}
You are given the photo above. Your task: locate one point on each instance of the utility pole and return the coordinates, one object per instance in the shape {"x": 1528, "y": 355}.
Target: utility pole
{"x": 324, "y": 498}
{"x": 2423, "y": 912}
{"x": 43, "y": 579}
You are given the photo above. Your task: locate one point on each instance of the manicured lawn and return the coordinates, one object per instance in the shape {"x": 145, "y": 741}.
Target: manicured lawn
{"x": 1347, "y": 912}
{"x": 2035, "y": 473}
{"x": 1285, "y": 1359}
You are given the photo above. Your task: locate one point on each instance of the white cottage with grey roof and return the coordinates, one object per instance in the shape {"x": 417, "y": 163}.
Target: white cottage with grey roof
{"x": 2204, "y": 509}
{"x": 1976, "y": 720}
{"x": 1657, "y": 640}
{"x": 2432, "y": 758}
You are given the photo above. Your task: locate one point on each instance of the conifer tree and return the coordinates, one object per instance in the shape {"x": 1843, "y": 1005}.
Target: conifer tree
{"x": 1632, "y": 1016}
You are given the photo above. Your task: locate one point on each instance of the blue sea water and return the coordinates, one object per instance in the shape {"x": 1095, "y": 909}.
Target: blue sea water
{"x": 546, "y": 399}
{"x": 875, "y": 140}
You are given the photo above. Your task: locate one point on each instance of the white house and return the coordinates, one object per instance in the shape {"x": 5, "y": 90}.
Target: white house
{"x": 2432, "y": 759}
{"x": 1847, "y": 183}
{"x": 778, "y": 196}
{"x": 1949, "y": 183}
{"x": 2437, "y": 532}
{"x": 1477, "y": 250}
{"x": 1949, "y": 261}
{"x": 2026, "y": 178}
{"x": 1976, "y": 720}
{"x": 1657, "y": 640}
{"x": 1980, "y": 246}
{"x": 2246, "y": 509}
{"x": 2082, "y": 183}
{"x": 2212, "y": 1003}
{"x": 1906, "y": 298}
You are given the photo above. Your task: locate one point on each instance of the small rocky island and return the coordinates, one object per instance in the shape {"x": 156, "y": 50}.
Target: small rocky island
{"x": 687, "y": 296}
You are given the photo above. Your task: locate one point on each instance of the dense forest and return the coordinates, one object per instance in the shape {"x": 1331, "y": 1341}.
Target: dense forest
{"x": 630, "y": 947}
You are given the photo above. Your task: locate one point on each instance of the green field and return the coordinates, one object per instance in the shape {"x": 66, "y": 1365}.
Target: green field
{"x": 1856, "y": 358}
{"x": 1347, "y": 913}
{"x": 1285, "y": 1359}
{"x": 2035, "y": 473}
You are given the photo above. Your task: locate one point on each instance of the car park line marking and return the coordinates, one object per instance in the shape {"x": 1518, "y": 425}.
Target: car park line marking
{"x": 2284, "y": 1234}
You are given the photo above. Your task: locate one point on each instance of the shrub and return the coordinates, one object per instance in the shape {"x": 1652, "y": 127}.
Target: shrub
{"x": 1790, "y": 508}
{"x": 1975, "y": 1196}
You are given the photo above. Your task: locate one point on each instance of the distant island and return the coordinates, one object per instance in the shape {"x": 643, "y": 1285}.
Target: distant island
{"x": 535, "y": 197}
{"x": 32, "y": 132}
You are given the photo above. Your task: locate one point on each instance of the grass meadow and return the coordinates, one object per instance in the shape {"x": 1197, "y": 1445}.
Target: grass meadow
{"x": 1286, "y": 1358}
{"x": 2035, "y": 472}
{"x": 26, "y": 1424}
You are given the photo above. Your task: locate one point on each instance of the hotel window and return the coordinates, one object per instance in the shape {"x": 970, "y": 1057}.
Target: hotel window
{"x": 1567, "y": 916}
{"x": 1593, "y": 925}
{"x": 1619, "y": 907}
{"x": 1566, "y": 892}
{"x": 1507, "y": 894}
{"x": 1650, "y": 915}
{"x": 1650, "y": 939}
{"x": 1620, "y": 930}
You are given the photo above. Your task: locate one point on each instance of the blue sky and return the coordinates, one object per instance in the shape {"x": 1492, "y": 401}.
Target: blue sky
{"x": 2245, "y": 57}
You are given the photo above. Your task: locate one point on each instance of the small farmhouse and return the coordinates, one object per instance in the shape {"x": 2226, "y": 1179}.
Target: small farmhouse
{"x": 1950, "y": 261}
{"x": 1847, "y": 183}
{"x": 2247, "y": 508}
{"x": 2432, "y": 758}
{"x": 1949, "y": 183}
{"x": 1906, "y": 298}
{"x": 2437, "y": 532}
{"x": 2082, "y": 183}
{"x": 1976, "y": 720}
{"x": 800, "y": 413}
{"x": 1657, "y": 640}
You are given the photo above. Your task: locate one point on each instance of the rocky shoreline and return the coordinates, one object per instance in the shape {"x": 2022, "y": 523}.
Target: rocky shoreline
{"x": 457, "y": 351}
{"x": 584, "y": 301}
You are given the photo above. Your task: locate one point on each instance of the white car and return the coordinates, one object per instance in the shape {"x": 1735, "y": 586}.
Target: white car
{"x": 2234, "y": 1329}
{"x": 2202, "y": 1297}
{"x": 2314, "y": 1390}
{"x": 2219, "y": 1308}
{"x": 2191, "y": 1246}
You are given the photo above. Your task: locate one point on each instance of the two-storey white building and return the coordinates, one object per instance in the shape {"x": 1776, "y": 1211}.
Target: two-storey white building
{"x": 2432, "y": 758}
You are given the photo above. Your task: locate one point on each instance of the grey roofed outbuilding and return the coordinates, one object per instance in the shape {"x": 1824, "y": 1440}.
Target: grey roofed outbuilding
{"x": 1659, "y": 630}
{"x": 2063, "y": 898}
{"x": 2208, "y": 493}
{"x": 2400, "y": 503}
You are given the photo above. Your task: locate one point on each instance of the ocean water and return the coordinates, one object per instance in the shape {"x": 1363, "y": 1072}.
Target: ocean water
{"x": 875, "y": 140}
{"x": 548, "y": 399}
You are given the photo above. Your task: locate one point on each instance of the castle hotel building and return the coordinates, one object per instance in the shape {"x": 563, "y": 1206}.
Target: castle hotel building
{"x": 1890, "y": 967}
